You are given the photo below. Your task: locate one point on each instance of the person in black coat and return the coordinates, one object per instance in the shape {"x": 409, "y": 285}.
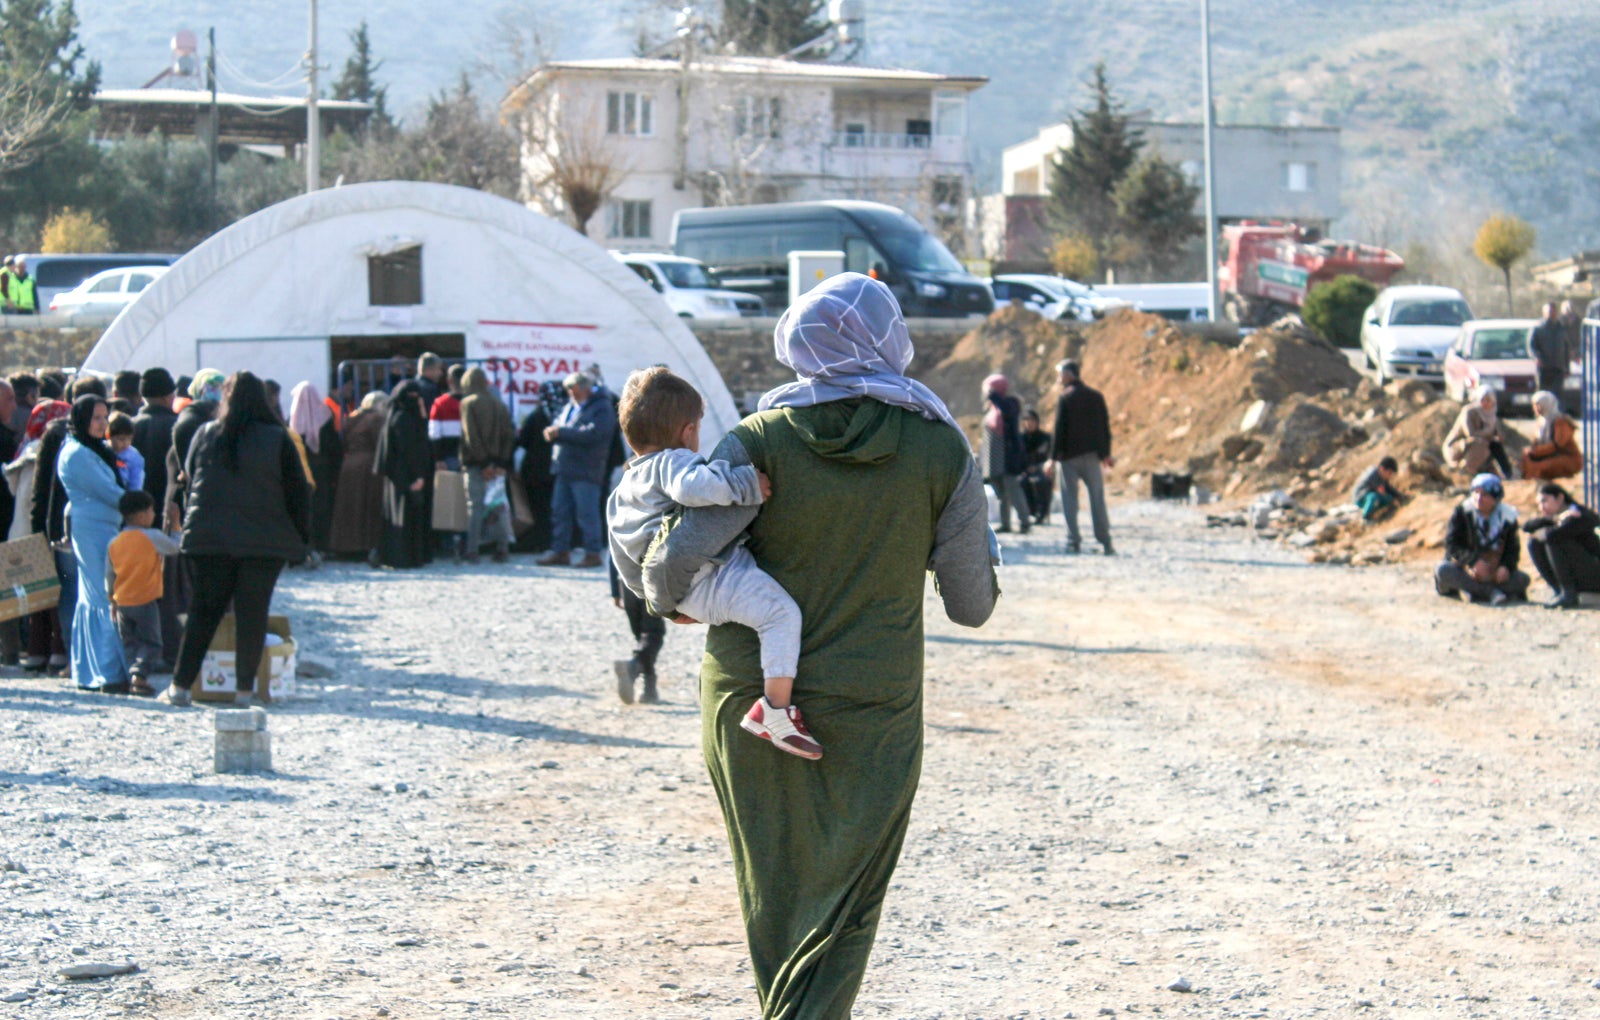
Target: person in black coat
{"x": 405, "y": 462}
{"x": 1082, "y": 451}
{"x": 1481, "y": 548}
{"x": 1036, "y": 482}
{"x": 1001, "y": 456}
{"x": 247, "y": 513}
{"x": 152, "y": 429}
{"x": 1564, "y": 547}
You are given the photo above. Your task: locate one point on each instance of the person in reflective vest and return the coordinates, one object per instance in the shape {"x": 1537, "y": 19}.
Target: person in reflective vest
{"x": 21, "y": 295}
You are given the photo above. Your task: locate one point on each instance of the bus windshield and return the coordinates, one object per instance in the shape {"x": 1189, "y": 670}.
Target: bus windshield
{"x": 917, "y": 251}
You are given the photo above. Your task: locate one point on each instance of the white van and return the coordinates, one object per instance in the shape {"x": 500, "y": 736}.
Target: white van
{"x": 689, "y": 290}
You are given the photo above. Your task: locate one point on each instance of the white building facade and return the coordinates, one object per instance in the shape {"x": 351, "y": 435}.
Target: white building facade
{"x": 740, "y": 130}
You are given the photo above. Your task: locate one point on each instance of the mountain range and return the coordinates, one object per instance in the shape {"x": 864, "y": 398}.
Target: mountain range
{"x": 1449, "y": 109}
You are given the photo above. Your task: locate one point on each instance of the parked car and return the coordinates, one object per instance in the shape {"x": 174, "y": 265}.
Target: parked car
{"x": 1407, "y": 330}
{"x": 57, "y": 274}
{"x": 108, "y": 292}
{"x": 748, "y": 247}
{"x": 1054, "y": 297}
{"x": 689, "y": 290}
{"x": 1493, "y": 352}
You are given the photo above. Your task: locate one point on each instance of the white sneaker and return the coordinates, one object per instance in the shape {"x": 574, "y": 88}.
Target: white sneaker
{"x": 783, "y": 727}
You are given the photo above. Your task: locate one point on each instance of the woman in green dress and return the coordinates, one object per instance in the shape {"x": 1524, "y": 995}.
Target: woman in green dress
{"x": 873, "y": 486}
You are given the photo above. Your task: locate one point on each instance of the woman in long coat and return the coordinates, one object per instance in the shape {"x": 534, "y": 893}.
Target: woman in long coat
{"x": 873, "y": 484}
{"x": 88, "y": 472}
{"x": 358, "y": 504}
{"x": 312, "y": 420}
{"x": 537, "y": 480}
{"x": 46, "y": 639}
{"x": 405, "y": 463}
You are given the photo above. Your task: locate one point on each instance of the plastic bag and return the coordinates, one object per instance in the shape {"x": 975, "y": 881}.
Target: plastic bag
{"x": 494, "y": 494}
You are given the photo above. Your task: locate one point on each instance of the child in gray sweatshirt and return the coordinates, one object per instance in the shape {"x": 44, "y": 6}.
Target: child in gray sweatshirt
{"x": 660, "y": 416}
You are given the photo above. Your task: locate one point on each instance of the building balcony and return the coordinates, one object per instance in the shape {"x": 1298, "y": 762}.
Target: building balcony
{"x": 880, "y": 140}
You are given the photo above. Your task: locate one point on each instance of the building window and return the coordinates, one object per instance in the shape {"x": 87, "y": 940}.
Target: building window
{"x": 395, "y": 278}
{"x": 630, "y": 113}
{"x": 629, "y": 219}
{"x": 1299, "y": 176}
{"x": 756, "y": 116}
{"x": 950, "y": 114}
{"x": 855, "y": 135}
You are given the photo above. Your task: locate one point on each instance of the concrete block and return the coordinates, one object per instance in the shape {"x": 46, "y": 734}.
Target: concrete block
{"x": 243, "y": 743}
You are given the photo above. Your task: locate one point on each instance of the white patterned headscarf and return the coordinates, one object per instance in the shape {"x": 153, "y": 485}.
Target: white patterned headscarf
{"x": 846, "y": 338}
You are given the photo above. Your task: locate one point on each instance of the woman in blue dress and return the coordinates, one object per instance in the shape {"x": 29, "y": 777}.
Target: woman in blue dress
{"x": 88, "y": 472}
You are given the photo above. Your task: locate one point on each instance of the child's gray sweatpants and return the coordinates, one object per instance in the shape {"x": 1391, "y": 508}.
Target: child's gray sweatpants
{"x": 741, "y": 592}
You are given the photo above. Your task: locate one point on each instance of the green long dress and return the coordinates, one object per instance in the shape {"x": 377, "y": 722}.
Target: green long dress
{"x": 858, "y": 488}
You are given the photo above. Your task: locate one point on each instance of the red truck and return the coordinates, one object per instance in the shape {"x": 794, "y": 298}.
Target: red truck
{"x": 1267, "y": 268}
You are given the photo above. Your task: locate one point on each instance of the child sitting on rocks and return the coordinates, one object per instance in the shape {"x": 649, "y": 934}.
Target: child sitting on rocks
{"x": 1375, "y": 493}
{"x": 660, "y": 417}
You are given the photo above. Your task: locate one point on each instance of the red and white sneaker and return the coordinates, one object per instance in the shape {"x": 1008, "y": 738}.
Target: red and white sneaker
{"x": 782, "y": 726}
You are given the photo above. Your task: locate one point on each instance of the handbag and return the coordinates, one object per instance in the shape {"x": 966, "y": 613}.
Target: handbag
{"x": 64, "y": 543}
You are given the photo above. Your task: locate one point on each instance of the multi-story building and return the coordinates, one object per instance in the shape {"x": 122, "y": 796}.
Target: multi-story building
{"x": 659, "y": 135}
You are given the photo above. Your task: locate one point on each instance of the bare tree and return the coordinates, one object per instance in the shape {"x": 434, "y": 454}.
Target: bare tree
{"x": 569, "y": 164}
{"x": 32, "y": 107}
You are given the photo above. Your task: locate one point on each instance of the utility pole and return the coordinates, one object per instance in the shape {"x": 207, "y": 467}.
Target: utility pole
{"x": 1211, "y": 175}
{"x": 216, "y": 126}
{"x": 313, "y": 119}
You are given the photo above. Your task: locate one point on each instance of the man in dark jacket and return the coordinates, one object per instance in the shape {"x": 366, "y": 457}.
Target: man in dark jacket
{"x": 582, "y": 438}
{"x": 1547, "y": 346}
{"x": 1564, "y": 547}
{"x": 1481, "y": 548}
{"x": 1081, "y": 452}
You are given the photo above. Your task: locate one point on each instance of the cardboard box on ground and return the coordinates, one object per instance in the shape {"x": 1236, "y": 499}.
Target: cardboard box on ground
{"x": 275, "y": 679}
{"x": 28, "y": 581}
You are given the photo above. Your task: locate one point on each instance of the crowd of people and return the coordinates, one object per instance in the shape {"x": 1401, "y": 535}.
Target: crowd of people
{"x": 168, "y": 504}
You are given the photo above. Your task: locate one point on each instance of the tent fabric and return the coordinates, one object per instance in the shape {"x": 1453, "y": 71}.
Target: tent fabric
{"x": 297, "y": 272}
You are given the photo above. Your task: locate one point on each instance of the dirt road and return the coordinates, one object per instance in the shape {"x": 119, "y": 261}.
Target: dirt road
{"x": 1299, "y": 791}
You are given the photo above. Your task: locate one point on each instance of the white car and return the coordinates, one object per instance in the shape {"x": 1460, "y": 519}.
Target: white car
{"x": 108, "y": 292}
{"x": 1054, "y": 297}
{"x": 1407, "y": 332}
{"x": 689, "y": 290}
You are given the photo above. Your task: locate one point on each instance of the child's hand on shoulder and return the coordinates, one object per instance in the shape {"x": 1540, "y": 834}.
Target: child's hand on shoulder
{"x": 766, "y": 485}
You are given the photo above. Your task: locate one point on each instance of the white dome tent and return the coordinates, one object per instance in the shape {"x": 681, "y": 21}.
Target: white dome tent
{"x": 290, "y": 291}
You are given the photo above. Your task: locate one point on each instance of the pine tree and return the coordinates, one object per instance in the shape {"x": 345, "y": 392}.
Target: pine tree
{"x": 770, "y": 27}
{"x": 1155, "y": 213}
{"x": 1084, "y": 182}
{"x": 358, "y": 80}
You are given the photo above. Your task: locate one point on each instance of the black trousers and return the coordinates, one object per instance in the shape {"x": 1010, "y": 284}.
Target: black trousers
{"x": 1565, "y": 566}
{"x": 649, "y": 632}
{"x": 245, "y": 583}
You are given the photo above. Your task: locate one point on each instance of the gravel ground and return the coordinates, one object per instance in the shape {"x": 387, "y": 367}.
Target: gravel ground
{"x": 1201, "y": 765}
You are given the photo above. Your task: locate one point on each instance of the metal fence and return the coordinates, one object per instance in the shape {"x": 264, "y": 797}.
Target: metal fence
{"x": 369, "y": 374}
{"x": 1591, "y": 405}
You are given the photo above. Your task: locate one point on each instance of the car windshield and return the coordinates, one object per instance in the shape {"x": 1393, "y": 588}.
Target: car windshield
{"x": 1500, "y": 344}
{"x": 918, "y": 252}
{"x": 1430, "y": 312}
{"x": 686, "y": 274}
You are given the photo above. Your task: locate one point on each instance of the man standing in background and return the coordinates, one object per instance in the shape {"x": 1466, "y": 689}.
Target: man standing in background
{"x": 1547, "y": 346}
{"x": 1081, "y": 452}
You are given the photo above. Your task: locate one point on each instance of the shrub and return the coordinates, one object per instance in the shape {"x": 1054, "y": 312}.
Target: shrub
{"x": 1334, "y": 308}
{"x": 1073, "y": 257}
{"x": 71, "y": 231}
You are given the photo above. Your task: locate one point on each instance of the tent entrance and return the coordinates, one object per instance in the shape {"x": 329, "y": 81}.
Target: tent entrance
{"x": 406, "y": 345}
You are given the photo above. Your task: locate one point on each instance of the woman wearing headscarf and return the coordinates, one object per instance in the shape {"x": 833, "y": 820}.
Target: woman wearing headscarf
{"x": 488, "y": 441}
{"x": 1002, "y": 456}
{"x": 312, "y": 420}
{"x": 358, "y": 503}
{"x": 873, "y": 485}
{"x": 405, "y": 463}
{"x": 247, "y": 514}
{"x": 1475, "y": 437}
{"x": 1555, "y": 452}
{"x": 88, "y": 473}
{"x": 534, "y": 454}
{"x": 46, "y": 639}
